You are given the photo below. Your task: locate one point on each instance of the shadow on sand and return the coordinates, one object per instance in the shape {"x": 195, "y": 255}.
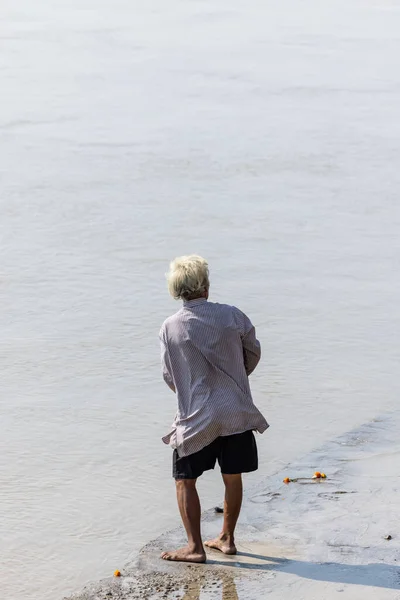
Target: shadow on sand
{"x": 378, "y": 575}
{"x": 374, "y": 575}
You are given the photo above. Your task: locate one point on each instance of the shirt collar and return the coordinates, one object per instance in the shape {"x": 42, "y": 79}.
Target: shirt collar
{"x": 192, "y": 303}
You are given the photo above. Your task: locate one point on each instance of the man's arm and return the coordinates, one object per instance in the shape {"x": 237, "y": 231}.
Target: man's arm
{"x": 166, "y": 365}
{"x": 251, "y": 347}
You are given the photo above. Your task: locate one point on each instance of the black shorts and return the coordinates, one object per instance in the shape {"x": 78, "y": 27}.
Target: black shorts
{"x": 235, "y": 454}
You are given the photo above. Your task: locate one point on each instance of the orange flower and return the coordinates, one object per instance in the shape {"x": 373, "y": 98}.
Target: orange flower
{"x": 287, "y": 480}
{"x": 317, "y": 475}
{"x": 117, "y": 573}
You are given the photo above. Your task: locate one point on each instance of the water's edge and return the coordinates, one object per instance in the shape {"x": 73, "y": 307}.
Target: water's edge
{"x": 262, "y": 553}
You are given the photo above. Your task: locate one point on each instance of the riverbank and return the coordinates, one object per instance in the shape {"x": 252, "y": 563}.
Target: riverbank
{"x": 311, "y": 538}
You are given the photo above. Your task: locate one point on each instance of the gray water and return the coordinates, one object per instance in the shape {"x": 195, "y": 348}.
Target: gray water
{"x": 263, "y": 135}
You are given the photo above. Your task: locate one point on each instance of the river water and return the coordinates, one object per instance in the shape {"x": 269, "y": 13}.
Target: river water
{"x": 263, "y": 135}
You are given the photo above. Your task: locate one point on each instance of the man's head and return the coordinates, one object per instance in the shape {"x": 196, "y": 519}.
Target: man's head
{"x": 188, "y": 278}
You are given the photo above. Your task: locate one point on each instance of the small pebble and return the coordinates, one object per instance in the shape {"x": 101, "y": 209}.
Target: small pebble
{"x": 388, "y": 537}
{"x": 219, "y": 510}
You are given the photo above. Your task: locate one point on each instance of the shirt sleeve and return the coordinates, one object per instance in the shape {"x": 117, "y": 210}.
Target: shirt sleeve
{"x": 165, "y": 363}
{"x": 251, "y": 346}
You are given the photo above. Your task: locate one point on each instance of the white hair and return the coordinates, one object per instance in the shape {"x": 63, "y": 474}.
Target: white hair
{"x": 188, "y": 277}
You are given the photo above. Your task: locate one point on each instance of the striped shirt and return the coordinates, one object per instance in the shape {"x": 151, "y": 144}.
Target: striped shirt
{"x": 208, "y": 350}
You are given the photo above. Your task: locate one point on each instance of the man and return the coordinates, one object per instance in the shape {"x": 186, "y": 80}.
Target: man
{"x": 208, "y": 350}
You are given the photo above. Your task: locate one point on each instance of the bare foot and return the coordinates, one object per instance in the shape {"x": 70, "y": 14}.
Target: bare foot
{"x": 185, "y": 555}
{"x": 222, "y": 543}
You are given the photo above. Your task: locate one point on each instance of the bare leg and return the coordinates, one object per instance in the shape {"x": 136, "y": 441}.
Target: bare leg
{"x": 225, "y": 542}
{"x": 189, "y": 507}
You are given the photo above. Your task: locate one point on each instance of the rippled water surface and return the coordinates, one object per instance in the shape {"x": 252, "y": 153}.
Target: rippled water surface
{"x": 263, "y": 135}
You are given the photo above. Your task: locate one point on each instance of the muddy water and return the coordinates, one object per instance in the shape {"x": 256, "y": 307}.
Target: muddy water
{"x": 265, "y": 138}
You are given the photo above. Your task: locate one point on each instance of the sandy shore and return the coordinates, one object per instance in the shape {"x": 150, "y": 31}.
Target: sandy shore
{"x": 311, "y": 539}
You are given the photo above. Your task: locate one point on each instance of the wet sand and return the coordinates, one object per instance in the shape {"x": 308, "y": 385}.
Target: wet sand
{"x": 311, "y": 538}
